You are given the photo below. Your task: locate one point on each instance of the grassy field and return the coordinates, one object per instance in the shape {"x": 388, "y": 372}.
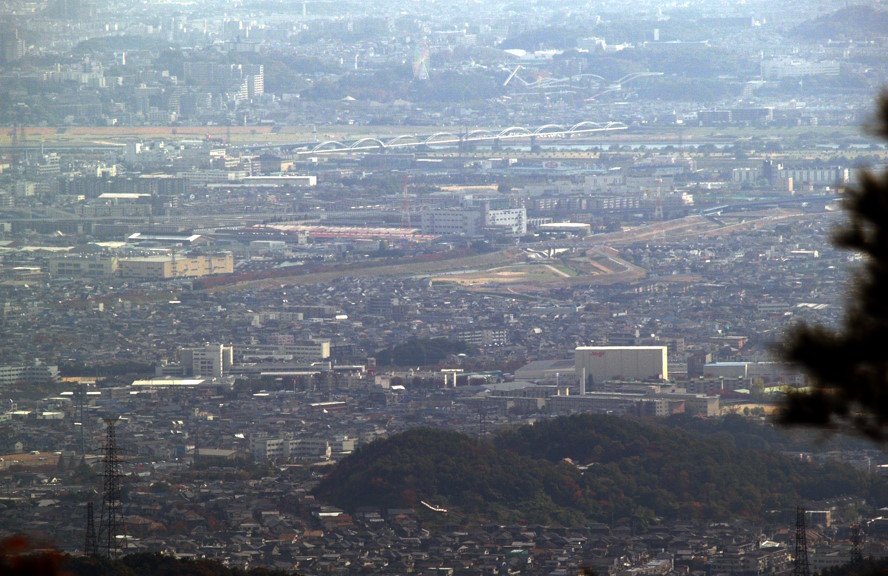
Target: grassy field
{"x": 517, "y": 275}
{"x": 590, "y": 266}
{"x": 431, "y": 269}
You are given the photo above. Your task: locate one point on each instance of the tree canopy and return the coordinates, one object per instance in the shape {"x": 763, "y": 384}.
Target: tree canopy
{"x": 421, "y": 352}
{"x": 573, "y": 470}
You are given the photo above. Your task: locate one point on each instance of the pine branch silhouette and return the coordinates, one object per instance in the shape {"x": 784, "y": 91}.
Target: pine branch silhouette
{"x": 848, "y": 367}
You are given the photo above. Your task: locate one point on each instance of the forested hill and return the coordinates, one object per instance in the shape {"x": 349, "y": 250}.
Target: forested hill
{"x": 860, "y": 22}
{"x": 675, "y": 474}
{"x": 457, "y": 472}
{"x": 582, "y": 468}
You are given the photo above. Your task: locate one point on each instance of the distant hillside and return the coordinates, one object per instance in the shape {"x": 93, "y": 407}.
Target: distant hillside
{"x": 454, "y": 471}
{"x": 853, "y": 22}
{"x": 421, "y": 352}
{"x": 749, "y": 433}
{"x": 638, "y": 468}
{"x": 548, "y": 38}
{"x": 396, "y": 82}
{"x": 120, "y": 42}
{"x": 630, "y": 471}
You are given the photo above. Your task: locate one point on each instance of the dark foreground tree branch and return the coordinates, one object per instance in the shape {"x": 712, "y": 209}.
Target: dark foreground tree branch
{"x": 848, "y": 368}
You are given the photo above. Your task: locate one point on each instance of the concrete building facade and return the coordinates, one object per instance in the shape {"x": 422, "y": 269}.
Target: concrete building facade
{"x": 301, "y": 351}
{"x": 597, "y": 364}
{"x": 211, "y": 360}
{"x": 515, "y": 219}
{"x": 166, "y": 267}
{"x": 37, "y": 372}
{"x": 452, "y": 222}
{"x": 96, "y": 266}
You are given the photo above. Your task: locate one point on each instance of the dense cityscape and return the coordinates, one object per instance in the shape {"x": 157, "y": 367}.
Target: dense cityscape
{"x": 432, "y": 288}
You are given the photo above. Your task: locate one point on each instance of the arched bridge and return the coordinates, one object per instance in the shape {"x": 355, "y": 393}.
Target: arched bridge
{"x": 371, "y": 143}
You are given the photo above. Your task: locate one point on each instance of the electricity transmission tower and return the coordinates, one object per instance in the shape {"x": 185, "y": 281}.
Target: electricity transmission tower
{"x": 856, "y": 541}
{"x": 113, "y": 529}
{"x": 91, "y": 543}
{"x": 800, "y": 559}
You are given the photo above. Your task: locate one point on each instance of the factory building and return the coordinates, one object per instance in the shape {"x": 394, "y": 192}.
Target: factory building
{"x": 90, "y": 266}
{"x": 167, "y": 266}
{"x": 594, "y": 365}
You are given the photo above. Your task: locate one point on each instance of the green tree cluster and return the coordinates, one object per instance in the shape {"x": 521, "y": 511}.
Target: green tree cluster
{"x": 582, "y": 468}
{"x": 452, "y": 470}
{"x": 421, "y": 352}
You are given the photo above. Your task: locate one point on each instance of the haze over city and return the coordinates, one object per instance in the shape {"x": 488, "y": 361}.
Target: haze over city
{"x": 432, "y": 287}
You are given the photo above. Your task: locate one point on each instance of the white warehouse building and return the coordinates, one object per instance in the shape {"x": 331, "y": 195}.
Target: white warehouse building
{"x": 452, "y": 222}
{"x": 595, "y": 365}
{"x": 515, "y": 219}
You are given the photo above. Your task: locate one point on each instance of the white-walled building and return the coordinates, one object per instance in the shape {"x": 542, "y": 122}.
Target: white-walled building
{"x": 452, "y": 222}
{"x": 301, "y": 351}
{"x": 597, "y": 364}
{"x": 262, "y": 447}
{"x": 786, "y": 67}
{"x": 513, "y": 218}
{"x": 36, "y": 372}
{"x": 212, "y": 360}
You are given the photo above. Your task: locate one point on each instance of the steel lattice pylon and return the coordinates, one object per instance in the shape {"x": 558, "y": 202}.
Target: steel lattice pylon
{"x": 113, "y": 528}
{"x": 90, "y": 544}
{"x": 856, "y": 541}
{"x": 800, "y": 559}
